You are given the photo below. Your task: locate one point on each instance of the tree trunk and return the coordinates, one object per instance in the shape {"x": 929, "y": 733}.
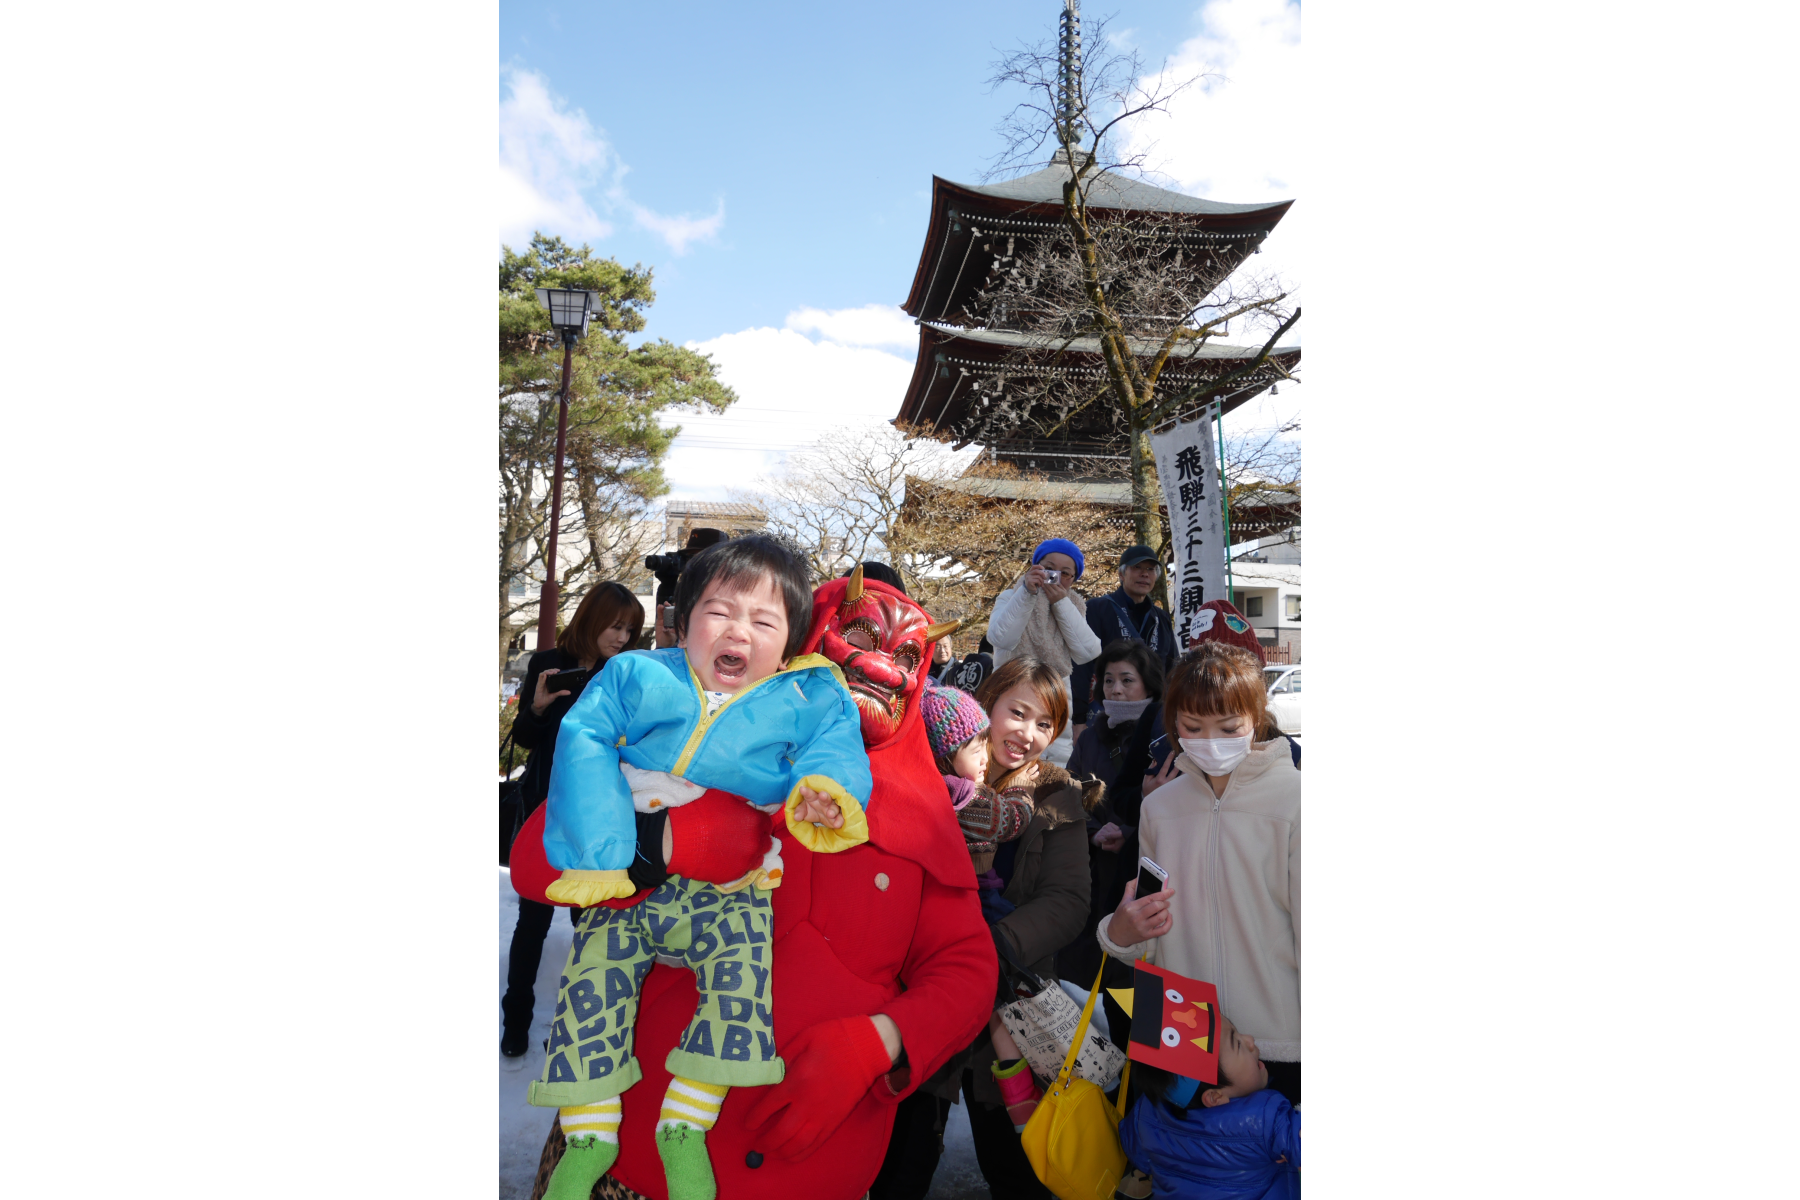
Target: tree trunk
{"x": 505, "y": 630}
{"x": 1145, "y": 505}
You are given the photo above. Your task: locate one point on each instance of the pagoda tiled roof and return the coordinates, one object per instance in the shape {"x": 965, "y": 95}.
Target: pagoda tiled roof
{"x": 1110, "y": 189}
{"x": 1054, "y": 344}
{"x": 971, "y": 224}
{"x": 954, "y": 366}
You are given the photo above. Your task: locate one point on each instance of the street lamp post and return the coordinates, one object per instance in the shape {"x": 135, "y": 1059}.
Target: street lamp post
{"x": 570, "y": 312}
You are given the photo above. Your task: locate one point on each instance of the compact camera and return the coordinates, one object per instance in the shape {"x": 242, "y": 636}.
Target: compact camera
{"x": 567, "y": 681}
{"x": 1052, "y": 576}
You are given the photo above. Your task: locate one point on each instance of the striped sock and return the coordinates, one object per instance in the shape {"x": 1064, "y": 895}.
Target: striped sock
{"x": 600, "y": 1119}
{"x": 592, "y": 1133}
{"x": 691, "y": 1103}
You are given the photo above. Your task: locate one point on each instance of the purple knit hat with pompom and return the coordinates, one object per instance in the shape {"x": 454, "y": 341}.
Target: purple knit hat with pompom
{"x": 952, "y": 719}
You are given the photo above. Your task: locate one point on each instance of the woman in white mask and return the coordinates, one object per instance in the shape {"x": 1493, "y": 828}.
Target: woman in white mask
{"x": 1227, "y": 832}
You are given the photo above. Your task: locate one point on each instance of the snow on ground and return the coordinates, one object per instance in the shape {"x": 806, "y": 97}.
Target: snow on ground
{"x": 524, "y": 1128}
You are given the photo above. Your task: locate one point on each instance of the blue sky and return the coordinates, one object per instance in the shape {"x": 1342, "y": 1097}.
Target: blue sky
{"x": 774, "y": 162}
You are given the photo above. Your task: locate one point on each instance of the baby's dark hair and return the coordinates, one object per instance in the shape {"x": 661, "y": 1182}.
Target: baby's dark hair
{"x": 741, "y": 562}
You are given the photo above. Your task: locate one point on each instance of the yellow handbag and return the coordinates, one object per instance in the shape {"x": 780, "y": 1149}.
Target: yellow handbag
{"x": 1072, "y": 1140}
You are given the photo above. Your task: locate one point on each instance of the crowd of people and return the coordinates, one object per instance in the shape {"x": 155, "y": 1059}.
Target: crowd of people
{"x": 909, "y": 835}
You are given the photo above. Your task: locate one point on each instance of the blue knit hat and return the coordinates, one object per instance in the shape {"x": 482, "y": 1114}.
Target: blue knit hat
{"x": 1059, "y": 546}
{"x": 952, "y": 719}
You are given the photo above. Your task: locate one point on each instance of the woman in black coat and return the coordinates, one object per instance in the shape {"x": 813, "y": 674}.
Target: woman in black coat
{"x": 1119, "y": 748}
{"x": 607, "y": 622}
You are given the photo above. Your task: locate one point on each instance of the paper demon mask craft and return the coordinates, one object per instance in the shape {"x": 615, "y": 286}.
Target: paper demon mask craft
{"x": 1174, "y": 1022}
{"x": 882, "y": 642}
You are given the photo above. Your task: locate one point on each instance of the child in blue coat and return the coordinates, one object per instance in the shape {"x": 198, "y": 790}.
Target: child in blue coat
{"x": 1235, "y": 1140}
{"x": 731, "y": 709}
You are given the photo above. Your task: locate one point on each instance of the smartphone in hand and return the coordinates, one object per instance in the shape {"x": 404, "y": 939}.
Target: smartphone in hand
{"x": 1150, "y": 878}
{"x": 568, "y": 681}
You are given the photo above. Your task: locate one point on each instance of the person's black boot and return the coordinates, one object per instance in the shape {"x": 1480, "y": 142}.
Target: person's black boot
{"x": 515, "y": 1041}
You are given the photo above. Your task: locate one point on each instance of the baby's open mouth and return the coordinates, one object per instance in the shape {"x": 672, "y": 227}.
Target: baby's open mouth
{"x": 729, "y": 667}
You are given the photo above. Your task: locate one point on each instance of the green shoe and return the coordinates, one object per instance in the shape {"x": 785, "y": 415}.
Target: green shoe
{"x": 685, "y": 1164}
{"x": 583, "y": 1162}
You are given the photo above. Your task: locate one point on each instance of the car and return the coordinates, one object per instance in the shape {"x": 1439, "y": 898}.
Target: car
{"x": 1284, "y": 696}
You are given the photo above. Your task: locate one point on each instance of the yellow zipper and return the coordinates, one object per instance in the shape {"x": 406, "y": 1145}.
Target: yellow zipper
{"x": 694, "y": 739}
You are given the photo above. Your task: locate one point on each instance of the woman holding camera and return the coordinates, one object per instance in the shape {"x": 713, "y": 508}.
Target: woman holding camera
{"x": 608, "y": 621}
{"x": 1043, "y": 616}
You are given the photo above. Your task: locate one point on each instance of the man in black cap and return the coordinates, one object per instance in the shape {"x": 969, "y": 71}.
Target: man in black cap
{"x": 1126, "y": 613}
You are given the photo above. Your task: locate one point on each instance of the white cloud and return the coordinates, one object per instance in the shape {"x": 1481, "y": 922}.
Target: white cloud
{"x": 679, "y": 231}
{"x": 552, "y": 159}
{"x": 790, "y": 390}
{"x": 870, "y": 325}
{"x": 1236, "y": 135}
{"x": 549, "y": 155}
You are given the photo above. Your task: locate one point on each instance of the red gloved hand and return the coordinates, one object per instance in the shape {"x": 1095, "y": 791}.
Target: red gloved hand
{"x": 718, "y": 838}
{"x": 829, "y": 1069}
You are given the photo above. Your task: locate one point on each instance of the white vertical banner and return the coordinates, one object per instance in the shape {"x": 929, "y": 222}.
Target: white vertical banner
{"x": 1188, "y": 466}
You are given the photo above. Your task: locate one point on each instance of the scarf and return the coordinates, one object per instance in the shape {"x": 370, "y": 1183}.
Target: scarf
{"x": 1042, "y": 638}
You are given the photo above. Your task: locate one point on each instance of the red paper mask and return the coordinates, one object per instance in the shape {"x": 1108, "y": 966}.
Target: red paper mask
{"x": 881, "y": 640}
{"x": 1175, "y": 1023}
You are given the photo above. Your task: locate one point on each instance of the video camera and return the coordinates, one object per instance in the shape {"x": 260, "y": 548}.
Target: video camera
{"x": 668, "y": 567}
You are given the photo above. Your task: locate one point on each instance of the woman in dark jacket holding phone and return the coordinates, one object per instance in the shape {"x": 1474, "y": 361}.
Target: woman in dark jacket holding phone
{"x": 1119, "y": 748}
{"x": 608, "y": 621}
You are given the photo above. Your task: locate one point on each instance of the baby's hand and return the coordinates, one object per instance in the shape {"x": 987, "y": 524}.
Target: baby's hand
{"x": 818, "y": 808}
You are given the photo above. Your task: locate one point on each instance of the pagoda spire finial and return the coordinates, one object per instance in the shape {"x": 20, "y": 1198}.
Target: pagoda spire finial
{"x": 1069, "y": 108}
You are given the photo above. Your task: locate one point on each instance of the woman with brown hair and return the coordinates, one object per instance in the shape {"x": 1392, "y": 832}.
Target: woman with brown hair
{"x": 1227, "y": 831}
{"x": 1042, "y": 877}
{"x": 607, "y": 622}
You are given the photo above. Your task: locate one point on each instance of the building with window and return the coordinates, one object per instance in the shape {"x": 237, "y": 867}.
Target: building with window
{"x": 1265, "y": 587}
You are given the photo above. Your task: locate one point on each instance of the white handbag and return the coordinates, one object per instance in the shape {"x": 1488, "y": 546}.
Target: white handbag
{"x": 1043, "y": 1024}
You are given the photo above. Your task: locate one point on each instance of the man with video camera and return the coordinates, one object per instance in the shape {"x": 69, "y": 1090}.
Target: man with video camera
{"x": 667, "y": 568}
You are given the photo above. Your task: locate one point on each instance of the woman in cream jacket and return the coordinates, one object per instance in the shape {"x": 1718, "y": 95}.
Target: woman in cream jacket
{"x": 1227, "y": 831}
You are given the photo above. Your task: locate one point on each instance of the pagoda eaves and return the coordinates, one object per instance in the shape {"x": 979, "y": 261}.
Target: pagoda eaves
{"x": 959, "y": 373}
{"x": 971, "y": 225}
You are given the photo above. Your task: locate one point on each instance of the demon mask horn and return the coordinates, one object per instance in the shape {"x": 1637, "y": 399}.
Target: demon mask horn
{"x": 854, "y": 592}
{"x": 942, "y": 629}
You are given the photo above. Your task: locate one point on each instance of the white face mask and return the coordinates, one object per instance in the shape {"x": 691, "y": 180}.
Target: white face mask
{"x": 1217, "y": 756}
{"x": 1125, "y": 710}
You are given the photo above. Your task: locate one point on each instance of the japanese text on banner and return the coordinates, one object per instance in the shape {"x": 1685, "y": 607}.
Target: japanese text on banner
{"x": 1189, "y": 470}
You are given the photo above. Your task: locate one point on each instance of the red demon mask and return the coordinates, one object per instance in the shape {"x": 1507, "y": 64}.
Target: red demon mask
{"x": 1174, "y": 1022}
{"x": 881, "y": 640}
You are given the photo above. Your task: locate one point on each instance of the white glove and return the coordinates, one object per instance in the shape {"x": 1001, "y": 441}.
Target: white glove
{"x": 653, "y": 790}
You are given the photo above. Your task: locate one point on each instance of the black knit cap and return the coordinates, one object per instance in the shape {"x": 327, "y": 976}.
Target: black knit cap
{"x": 880, "y": 572}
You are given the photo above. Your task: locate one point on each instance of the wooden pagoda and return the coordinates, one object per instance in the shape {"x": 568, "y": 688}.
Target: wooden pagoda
{"x": 1060, "y": 420}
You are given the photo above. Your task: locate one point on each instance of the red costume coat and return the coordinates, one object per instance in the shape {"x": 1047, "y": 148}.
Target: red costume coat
{"x": 892, "y": 926}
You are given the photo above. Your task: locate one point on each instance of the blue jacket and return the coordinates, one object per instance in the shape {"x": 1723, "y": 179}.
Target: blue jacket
{"x": 1223, "y": 1153}
{"x": 799, "y": 724}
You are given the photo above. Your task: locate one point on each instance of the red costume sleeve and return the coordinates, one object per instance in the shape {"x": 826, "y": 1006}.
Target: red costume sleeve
{"x": 951, "y": 959}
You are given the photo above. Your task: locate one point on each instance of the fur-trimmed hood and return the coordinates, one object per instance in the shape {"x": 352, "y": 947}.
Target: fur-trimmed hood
{"x": 1060, "y": 798}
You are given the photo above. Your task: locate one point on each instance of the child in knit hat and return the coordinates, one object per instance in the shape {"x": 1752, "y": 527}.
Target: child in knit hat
{"x": 954, "y": 723}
